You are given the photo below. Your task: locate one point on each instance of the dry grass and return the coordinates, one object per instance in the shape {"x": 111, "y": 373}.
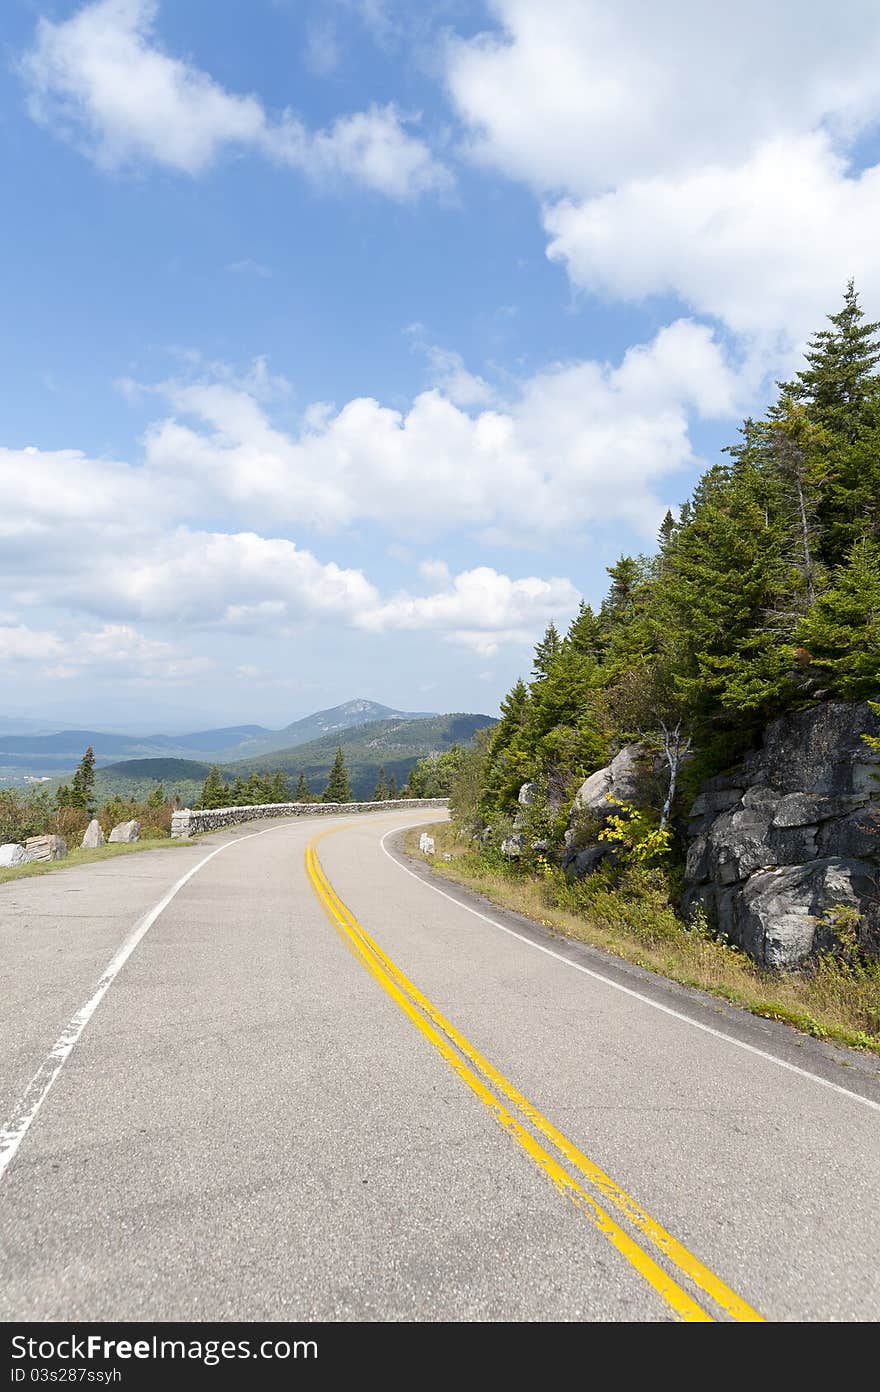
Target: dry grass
{"x": 633, "y": 919}
{"x": 80, "y": 857}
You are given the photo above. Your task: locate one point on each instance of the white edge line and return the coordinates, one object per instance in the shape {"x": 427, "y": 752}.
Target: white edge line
{"x": 38, "y": 1089}
{"x": 628, "y": 991}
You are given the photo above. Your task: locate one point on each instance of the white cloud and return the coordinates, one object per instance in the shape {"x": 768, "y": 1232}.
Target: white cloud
{"x": 690, "y": 150}
{"x": 247, "y": 266}
{"x": 580, "y": 95}
{"x": 584, "y": 443}
{"x": 113, "y": 650}
{"x": 480, "y": 609}
{"x": 766, "y": 245}
{"x": 102, "y": 79}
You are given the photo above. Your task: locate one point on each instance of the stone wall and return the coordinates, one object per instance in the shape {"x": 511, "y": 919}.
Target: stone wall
{"x": 188, "y": 822}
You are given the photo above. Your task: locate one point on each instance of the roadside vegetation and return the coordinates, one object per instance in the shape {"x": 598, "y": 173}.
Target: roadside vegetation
{"x": 763, "y": 597}
{"x": 631, "y": 915}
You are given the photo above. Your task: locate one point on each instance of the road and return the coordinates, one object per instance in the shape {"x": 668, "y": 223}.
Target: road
{"x": 318, "y": 1087}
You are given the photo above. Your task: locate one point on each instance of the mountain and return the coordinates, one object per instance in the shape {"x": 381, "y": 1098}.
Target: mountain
{"x": 394, "y": 744}
{"x": 60, "y": 752}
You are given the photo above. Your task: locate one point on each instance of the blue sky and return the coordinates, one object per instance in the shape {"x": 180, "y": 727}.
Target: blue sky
{"x": 347, "y": 343}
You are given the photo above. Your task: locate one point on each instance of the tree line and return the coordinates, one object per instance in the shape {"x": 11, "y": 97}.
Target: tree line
{"x": 763, "y": 595}
{"x": 263, "y": 788}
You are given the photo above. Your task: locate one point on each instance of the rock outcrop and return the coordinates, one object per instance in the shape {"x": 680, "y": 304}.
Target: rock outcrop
{"x": 778, "y": 847}
{"x": 622, "y": 781}
{"x": 12, "y": 854}
{"x": 45, "y": 847}
{"x": 93, "y": 836}
{"x": 126, "y": 831}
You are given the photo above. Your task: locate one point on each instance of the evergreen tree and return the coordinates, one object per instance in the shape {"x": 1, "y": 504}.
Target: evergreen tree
{"x": 215, "y": 791}
{"x": 667, "y": 528}
{"x": 545, "y": 652}
{"x": 585, "y": 634}
{"x": 841, "y": 633}
{"x": 157, "y": 799}
{"x": 841, "y": 372}
{"x": 338, "y": 787}
{"x": 278, "y": 788}
{"x": 303, "y": 791}
{"x": 82, "y": 787}
{"x": 380, "y": 792}
{"x": 238, "y": 793}
{"x": 392, "y": 788}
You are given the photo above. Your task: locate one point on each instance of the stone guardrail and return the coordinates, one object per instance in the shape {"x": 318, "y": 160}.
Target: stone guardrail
{"x": 188, "y": 822}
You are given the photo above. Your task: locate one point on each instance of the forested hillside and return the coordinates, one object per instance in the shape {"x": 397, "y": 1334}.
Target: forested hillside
{"x": 763, "y": 594}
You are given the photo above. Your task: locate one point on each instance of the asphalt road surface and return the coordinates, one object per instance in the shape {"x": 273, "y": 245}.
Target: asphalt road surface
{"x": 316, "y": 1086}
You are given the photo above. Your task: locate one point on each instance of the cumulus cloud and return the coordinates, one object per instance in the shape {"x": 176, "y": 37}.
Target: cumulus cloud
{"x": 102, "y": 79}
{"x": 699, "y": 151}
{"x": 581, "y": 443}
{"x": 113, "y": 650}
{"x": 765, "y": 245}
{"x": 580, "y": 95}
{"x": 479, "y": 609}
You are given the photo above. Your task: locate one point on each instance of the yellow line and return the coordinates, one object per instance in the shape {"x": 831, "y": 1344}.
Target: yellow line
{"x": 687, "y": 1263}
{"x": 381, "y": 969}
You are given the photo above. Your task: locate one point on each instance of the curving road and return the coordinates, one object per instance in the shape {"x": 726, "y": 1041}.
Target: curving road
{"x": 316, "y": 1086}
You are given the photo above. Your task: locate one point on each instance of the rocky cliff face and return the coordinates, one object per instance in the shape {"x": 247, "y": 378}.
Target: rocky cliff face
{"x": 779, "y": 845}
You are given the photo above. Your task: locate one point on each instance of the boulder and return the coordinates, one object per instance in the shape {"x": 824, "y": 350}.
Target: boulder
{"x": 620, "y": 781}
{"x": 93, "y": 835}
{"x": 526, "y": 795}
{"x": 777, "y": 845}
{"x": 786, "y": 914}
{"x": 512, "y": 846}
{"x": 12, "y": 854}
{"x": 126, "y": 831}
{"x": 45, "y": 847}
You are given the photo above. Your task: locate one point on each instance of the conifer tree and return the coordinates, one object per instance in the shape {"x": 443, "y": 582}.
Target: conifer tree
{"x": 841, "y": 372}
{"x": 279, "y": 789}
{"x": 338, "y": 787}
{"x": 546, "y": 652}
{"x": 303, "y": 791}
{"x": 82, "y": 787}
{"x": 841, "y": 633}
{"x": 380, "y": 792}
{"x": 392, "y": 788}
{"x": 215, "y": 791}
{"x": 157, "y": 799}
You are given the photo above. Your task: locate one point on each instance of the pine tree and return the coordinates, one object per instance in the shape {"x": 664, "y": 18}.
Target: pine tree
{"x": 667, "y": 529}
{"x": 157, "y": 798}
{"x": 546, "y": 652}
{"x": 380, "y": 792}
{"x": 585, "y": 634}
{"x": 303, "y": 791}
{"x": 82, "y": 787}
{"x": 841, "y": 633}
{"x": 238, "y": 793}
{"x": 215, "y": 791}
{"x": 841, "y": 372}
{"x": 392, "y": 788}
{"x": 338, "y": 787}
{"x": 279, "y": 788}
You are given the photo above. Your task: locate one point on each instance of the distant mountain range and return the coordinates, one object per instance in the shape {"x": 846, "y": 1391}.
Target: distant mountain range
{"x": 59, "y": 753}
{"x": 393, "y": 744}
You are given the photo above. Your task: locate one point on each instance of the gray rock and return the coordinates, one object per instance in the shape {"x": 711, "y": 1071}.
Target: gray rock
{"x": 783, "y": 914}
{"x": 126, "y": 831}
{"x": 93, "y": 835}
{"x": 12, "y": 854}
{"x": 526, "y": 795}
{"x": 426, "y": 843}
{"x": 512, "y": 846}
{"x": 583, "y": 863}
{"x": 619, "y": 782}
{"x": 777, "y": 844}
{"x": 45, "y": 847}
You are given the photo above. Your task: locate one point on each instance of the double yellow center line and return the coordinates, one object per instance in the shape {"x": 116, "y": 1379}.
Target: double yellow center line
{"x": 481, "y": 1077}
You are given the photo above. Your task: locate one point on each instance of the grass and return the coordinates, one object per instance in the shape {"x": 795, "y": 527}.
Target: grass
{"x": 87, "y": 857}
{"x": 833, "y": 999}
